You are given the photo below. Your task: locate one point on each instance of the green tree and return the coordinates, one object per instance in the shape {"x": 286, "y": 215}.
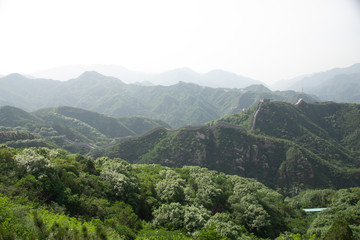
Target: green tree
{"x": 195, "y": 218}
{"x": 117, "y": 173}
{"x": 209, "y": 233}
{"x": 223, "y": 224}
{"x": 339, "y": 230}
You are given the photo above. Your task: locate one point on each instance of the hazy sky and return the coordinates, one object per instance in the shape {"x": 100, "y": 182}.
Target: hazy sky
{"x": 267, "y": 40}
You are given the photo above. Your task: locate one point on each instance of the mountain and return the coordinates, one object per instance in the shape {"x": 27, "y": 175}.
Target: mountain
{"x": 27, "y": 93}
{"x": 62, "y": 73}
{"x": 180, "y": 104}
{"x": 174, "y": 76}
{"x": 339, "y": 84}
{"x": 251, "y": 96}
{"x": 286, "y": 84}
{"x": 314, "y": 80}
{"x": 309, "y": 81}
{"x": 291, "y": 146}
{"x": 67, "y": 72}
{"x": 215, "y": 78}
{"x": 13, "y": 117}
{"x": 76, "y": 130}
{"x": 224, "y": 79}
{"x": 111, "y": 127}
{"x": 340, "y": 88}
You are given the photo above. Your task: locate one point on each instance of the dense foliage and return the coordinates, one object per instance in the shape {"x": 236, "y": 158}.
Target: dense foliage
{"x": 51, "y": 194}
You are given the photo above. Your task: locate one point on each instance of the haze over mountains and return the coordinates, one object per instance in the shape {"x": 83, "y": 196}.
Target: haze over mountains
{"x": 313, "y": 80}
{"x": 339, "y": 84}
{"x": 214, "y": 78}
{"x": 180, "y": 104}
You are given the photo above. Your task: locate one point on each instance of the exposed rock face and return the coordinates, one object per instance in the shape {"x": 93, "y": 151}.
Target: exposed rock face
{"x": 232, "y": 150}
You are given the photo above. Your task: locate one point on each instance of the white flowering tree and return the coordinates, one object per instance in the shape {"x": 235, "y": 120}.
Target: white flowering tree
{"x": 171, "y": 188}
{"x": 31, "y": 162}
{"x": 207, "y": 192}
{"x": 195, "y": 218}
{"x": 117, "y": 173}
{"x": 170, "y": 216}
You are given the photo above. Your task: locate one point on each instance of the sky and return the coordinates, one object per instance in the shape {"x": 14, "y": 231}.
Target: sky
{"x": 267, "y": 40}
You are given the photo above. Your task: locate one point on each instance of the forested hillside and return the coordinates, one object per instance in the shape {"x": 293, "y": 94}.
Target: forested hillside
{"x": 178, "y": 105}
{"x": 291, "y": 147}
{"x": 74, "y": 129}
{"x": 50, "y": 194}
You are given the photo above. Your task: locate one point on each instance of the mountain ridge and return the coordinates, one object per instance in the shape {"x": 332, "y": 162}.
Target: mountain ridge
{"x": 301, "y": 82}
{"x": 165, "y": 78}
{"x": 180, "y": 104}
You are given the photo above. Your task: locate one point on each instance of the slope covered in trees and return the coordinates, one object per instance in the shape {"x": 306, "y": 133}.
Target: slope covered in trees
{"x": 74, "y": 129}
{"x": 291, "y": 146}
{"x": 50, "y": 194}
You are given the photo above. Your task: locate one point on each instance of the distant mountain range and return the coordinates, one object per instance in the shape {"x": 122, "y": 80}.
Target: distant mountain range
{"x": 339, "y": 84}
{"x": 215, "y": 78}
{"x": 180, "y": 104}
{"x": 324, "y": 85}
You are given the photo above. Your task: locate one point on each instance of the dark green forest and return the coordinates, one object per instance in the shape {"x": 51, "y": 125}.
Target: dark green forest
{"x": 51, "y": 194}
